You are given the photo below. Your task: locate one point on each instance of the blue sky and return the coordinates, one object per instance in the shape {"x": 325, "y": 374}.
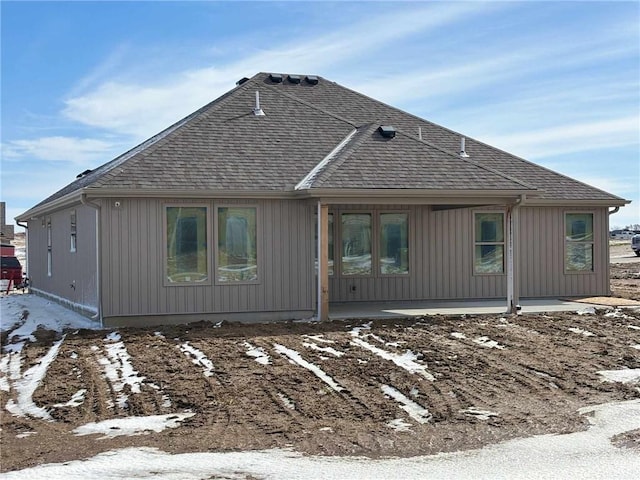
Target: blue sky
{"x": 557, "y": 83}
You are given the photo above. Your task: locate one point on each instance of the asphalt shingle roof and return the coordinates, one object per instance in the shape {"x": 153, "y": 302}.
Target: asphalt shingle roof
{"x": 224, "y": 146}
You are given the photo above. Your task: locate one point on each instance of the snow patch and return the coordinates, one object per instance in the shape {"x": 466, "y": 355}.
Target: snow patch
{"x": 579, "y": 331}
{"x": 458, "y": 335}
{"x": 488, "y": 343}
{"x": 118, "y": 368}
{"x": 627, "y": 375}
{"x": 587, "y": 311}
{"x": 415, "y": 411}
{"x": 399, "y": 425}
{"x": 295, "y": 357}
{"x": 318, "y": 348}
{"x": 633, "y": 327}
{"x": 25, "y": 434}
{"x": 286, "y": 401}
{"x": 130, "y": 426}
{"x": 405, "y": 361}
{"x": 617, "y": 313}
{"x": 198, "y": 358}
{"x": 258, "y": 354}
{"x": 77, "y": 399}
{"x": 479, "y": 414}
{"x": 27, "y": 383}
{"x": 318, "y": 338}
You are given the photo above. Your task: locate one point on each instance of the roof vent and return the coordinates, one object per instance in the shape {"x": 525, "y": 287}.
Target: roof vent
{"x": 387, "y": 131}
{"x": 294, "y": 79}
{"x": 83, "y": 174}
{"x": 257, "y": 111}
{"x": 241, "y": 81}
{"x": 311, "y": 79}
{"x": 463, "y": 152}
{"x": 275, "y": 77}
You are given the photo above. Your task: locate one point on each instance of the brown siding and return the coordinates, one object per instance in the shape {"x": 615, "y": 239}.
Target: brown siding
{"x": 73, "y": 274}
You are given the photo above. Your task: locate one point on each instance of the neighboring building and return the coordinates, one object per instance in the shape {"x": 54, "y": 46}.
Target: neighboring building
{"x": 6, "y": 231}
{"x": 219, "y": 215}
{"x": 622, "y": 234}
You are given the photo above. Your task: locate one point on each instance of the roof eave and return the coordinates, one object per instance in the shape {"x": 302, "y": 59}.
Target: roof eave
{"x": 69, "y": 199}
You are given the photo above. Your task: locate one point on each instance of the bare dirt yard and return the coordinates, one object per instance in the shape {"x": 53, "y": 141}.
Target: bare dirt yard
{"x": 375, "y": 388}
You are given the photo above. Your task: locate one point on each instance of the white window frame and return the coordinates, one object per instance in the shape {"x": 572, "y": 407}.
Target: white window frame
{"x": 476, "y": 242}
{"x": 73, "y": 237}
{"x": 567, "y": 242}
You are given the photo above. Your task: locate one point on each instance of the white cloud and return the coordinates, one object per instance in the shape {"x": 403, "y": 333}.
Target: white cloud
{"x": 141, "y": 110}
{"x": 82, "y": 151}
{"x": 567, "y": 138}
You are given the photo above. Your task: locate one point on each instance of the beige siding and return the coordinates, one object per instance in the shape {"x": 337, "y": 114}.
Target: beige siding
{"x": 133, "y": 257}
{"x": 441, "y": 258}
{"x": 73, "y": 274}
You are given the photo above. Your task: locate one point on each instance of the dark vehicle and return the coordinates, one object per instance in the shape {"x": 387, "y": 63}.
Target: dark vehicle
{"x": 11, "y": 270}
{"x": 635, "y": 244}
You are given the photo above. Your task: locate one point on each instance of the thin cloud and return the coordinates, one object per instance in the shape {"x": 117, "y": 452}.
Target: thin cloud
{"x": 81, "y": 151}
{"x": 140, "y": 110}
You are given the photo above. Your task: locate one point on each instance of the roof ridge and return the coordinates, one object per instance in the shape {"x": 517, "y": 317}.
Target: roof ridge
{"x": 342, "y": 154}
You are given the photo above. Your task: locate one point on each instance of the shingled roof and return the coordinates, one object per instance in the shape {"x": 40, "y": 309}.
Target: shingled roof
{"x": 317, "y": 136}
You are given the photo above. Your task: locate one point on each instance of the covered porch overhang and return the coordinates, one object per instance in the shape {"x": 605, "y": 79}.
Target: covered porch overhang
{"x": 441, "y": 200}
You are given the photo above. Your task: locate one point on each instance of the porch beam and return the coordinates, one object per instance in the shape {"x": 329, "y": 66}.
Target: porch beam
{"x": 323, "y": 262}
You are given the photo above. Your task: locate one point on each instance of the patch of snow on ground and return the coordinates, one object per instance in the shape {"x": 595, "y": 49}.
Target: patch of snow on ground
{"x": 77, "y": 399}
{"x": 118, "y": 369}
{"x": 637, "y": 347}
{"x": 198, "y": 358}
{"x": 23, "y": 314}
{"x": 295, "y": 357}
{"x": 617, "y": 313}
{"x": 258, "y": 354}
{"x": 579, "y": 331}
{"x": 627, "y": 375}
{"x": 488, "y": 343}
{"x": 25, "y": 434}
{"x": 286, "y": 401}
{"x": 587, "y": 311}
{"x": 633, "y": 327}
{"x": 318, "y": 338}
{"x": 585, "y": 454}
{"x": 399, "y": 425}
{"x": 458, "y": 335}
{"x": 318, "y": 348}
{"x": 27, "y": 383}
{"x": 405, "y": 361}
{"x": 479, "y": 414}
{"x": 133, "y": 425}
{"x": 415, "y": 411}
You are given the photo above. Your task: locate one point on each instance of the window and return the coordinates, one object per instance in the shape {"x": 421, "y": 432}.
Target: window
{"x": 237, "y": 244}
{"x": 578, "y": 251}
{"x": 356, "y": 244}
{"x": 74, "y": 232}
{"x": 394, "y": 244}
{"x": 187, "y": 252}
{"x": 489, "y": 243}
{"x": 49, "y": 249}
{"x": 330, "y": 234}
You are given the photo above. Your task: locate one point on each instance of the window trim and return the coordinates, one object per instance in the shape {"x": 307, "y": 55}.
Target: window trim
{"x": 73, "y": 237}
{"x": 375, "y": 242}
{"x": 165, "y": 247}
{"x": 565, "y": 242}
{"x": 475, "y": 243}
{"x": 379, "y": 273}
{"x": 49, "y": 248}
{"x": 259, "y": 260}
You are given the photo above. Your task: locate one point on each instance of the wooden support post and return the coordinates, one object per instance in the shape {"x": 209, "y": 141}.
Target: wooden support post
{"x": 323, "y": 262}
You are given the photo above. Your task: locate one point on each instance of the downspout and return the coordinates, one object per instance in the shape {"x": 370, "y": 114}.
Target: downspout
{"x": 98, "y": 209}
{"x": 608, "y": 246}
{"x": 513, "y": 290}
{"x": 615, "y": 210}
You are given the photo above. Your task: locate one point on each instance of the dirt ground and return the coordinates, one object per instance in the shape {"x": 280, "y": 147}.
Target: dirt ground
{"x": 542, "y": 369}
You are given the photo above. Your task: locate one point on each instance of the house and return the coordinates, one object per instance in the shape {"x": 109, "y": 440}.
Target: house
{"x": 291, "y": 192}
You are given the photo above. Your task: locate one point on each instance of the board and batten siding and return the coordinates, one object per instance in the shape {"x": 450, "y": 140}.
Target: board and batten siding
{"x": 133, "y": 259}
{"x": 73, "y": 274}
{"x": 441, "y": 258}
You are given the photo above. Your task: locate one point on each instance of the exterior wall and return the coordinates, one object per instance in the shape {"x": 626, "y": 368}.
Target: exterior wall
{"x": 441, "y": 258}
{"x": 73, "y": 274}
{"x": 133, "y": 263}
